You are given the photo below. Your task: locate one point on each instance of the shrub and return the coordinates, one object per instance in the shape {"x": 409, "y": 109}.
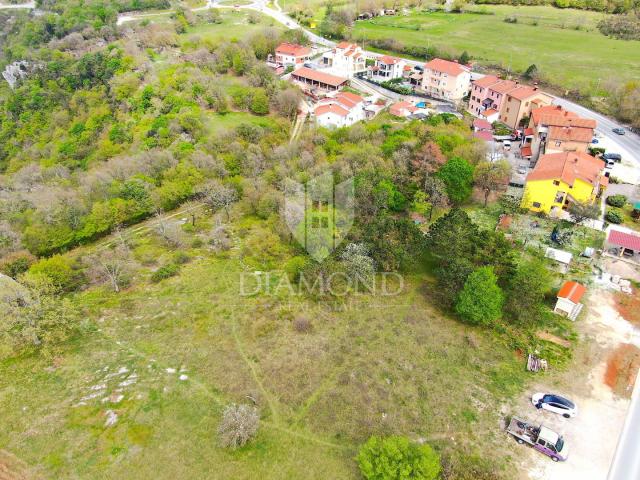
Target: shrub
{"x": 481, "y": 299}
{"x": 16, "y": 263}
{"x": 164, "y": 272}
{"x": 396, "y": 458}
{"x": 613, "y": 216}
{"x": 617, "y": 201}
{"x": 180, "y": 258}
{"x": 239, "y": 425}
{"x": 302, "y": 325}
{"x": 59, "y": 271}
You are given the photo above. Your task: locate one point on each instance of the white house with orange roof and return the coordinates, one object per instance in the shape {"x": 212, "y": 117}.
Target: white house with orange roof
{"x": 387, "y": 68}
{"x": 291, "y": 55}
{"x": 402, "y": 109}
{"x": 340, "y": 110}
{"x": 446, "y": 80}
{"x": 346, "y": 60}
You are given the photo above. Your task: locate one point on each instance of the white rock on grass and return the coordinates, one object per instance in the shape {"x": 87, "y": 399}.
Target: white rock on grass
{"x": 171, "y": 370}
{"x": 183, "y": 377}
{"x": 112, "y": 418}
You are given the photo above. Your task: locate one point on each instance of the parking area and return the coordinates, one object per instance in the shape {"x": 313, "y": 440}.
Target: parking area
{"x": 593, "y": 435}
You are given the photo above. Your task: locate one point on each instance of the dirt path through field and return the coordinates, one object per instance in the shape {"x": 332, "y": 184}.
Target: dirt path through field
{"x": 600, "y": 383}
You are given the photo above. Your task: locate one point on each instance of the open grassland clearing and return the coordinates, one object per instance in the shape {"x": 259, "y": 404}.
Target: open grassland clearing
{"x": 141, "y": 392}
{"x": 564, "y": 44}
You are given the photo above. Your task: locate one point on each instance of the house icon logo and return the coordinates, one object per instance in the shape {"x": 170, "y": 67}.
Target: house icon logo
{"x": 319, "y": 213}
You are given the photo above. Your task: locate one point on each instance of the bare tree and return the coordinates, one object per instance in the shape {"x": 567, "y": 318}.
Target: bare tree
{"x": 168, "y": 231}
{"x": 114, "y": 264}
{"x": 239, "y": 425}
{"x": 492, "y": 176}
{"x": 218, "y": 196}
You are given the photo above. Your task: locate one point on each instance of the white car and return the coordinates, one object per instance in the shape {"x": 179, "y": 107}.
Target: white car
{"x": 555, "y": 404}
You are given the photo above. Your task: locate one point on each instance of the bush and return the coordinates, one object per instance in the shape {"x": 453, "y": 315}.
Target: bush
{"x": 239, "y": 425}
{"x": 180, "y": 258}
{"x": 59, "y": 271}
{"x": 613, "y": 216}
{"x": 164, "y": 272}
{"x": 396, "y": 458}
{"x": 621, "y": 27}
{"x": 617, "y": 201}
{"x": 16, "y": 263}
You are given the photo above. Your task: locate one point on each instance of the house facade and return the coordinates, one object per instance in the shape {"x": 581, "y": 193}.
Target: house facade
{"x": 560, "y": 179}
{"x": 487, "y": 95}
{"x": 340, "y": 110}
{"x": 568, "y": 300}
{"x": 446, "y": 80}
{"x": 291, "y": 55}
{"x": 519, "y": 103}
{"x": 553, "y": 129}
{"x": 346, "y": 60}
{"x": 387, "y": 68}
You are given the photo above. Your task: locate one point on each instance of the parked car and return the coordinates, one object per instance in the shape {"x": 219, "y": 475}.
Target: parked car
{"x": 619, "y": 131}
{"x": 555, "y": 404}
{"x": 609, "y": 164}
{"x": 506, "y": 144}
{"x": 616, "y": 157}
{"x": 594, "y": 140}
{"x": 541, "y": 438}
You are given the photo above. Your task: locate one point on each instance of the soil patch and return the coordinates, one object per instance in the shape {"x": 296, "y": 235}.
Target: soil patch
{"x": 549, "y": 337}
{"x": 629, "y": 306}
{"x": 622, "y": 369}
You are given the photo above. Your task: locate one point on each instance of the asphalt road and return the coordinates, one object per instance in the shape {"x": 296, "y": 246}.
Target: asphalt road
{"x": 629, "y": 144}
{"x": 626, "y": 463}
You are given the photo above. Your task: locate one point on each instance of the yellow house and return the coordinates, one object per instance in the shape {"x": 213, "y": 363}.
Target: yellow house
{"x": 561, "y": 178}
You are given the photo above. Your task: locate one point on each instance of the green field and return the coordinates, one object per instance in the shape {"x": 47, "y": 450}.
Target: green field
{"x": 565, "y": 56}
{"x": 377, "y": 365}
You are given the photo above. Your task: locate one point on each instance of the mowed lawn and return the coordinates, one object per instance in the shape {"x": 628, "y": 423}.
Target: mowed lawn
{"x": 567, "y": 57}
{"x": 380, "y": 365}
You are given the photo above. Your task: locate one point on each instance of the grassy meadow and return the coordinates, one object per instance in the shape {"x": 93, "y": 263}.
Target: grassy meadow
{"x": 564, "y": 44}
{"x": 363, "y": 366}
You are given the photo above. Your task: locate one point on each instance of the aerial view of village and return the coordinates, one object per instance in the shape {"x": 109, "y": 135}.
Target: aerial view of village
{"x": 320, "y": 239}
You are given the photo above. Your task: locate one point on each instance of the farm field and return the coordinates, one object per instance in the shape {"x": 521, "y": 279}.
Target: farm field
{"x": 544, "y": 36}
{"x": 377, "y": 365}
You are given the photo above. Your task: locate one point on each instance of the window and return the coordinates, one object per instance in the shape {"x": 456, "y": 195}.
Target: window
{"x": 536, "y": 204}
{"x": 507, "y": 109}
{"x": 556, "y": 183}
{"x": 558, "y": 143}
{"x": 559, "y": 197}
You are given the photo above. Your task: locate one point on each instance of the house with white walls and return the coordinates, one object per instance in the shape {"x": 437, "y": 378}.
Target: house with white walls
{"x": 345, "y": 60}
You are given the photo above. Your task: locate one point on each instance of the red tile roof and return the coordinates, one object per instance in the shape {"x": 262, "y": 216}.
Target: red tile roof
{"x": 351, "y": 97}
{"x": 568, "y": 166}
{"x": 522, "y": 92}
{"x": 481, "y": 124}
{"x": 486, "y": 81}
{"x": 503, "y": 86}
{"x": 490, "y": 111}
{"x": 293, "y": 49}
{"x": 445, "y": 66}
{"x": 315, "y": 75}
{"x": 331, "y": 108}
{"x": 583, "y": 135}
{"x": 526, "y": 152}
{"x": 397, "y": 108}
{"x": 346, "y": 45}
{"x": 483, "y": 135}
{"x": 387, "y": 60}
{"x": 624, "y": 239}
{"x": 573, "y": 291}
{"x": 537, "y": 113}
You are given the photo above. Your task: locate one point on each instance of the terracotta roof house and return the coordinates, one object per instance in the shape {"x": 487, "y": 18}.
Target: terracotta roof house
{"x": 519, "y": 102}
{"x": 445, "y": 80}
{"x": 340, "y": 110}
{"x": 559, "y": 179}
{"x": 387, "y": 68}
{"x": 553, "y": 129}
{"x": 346, "y": 59}
{"x": 291, "y": 54}
{"x": 487, "y": 96}
{"x": 569, "y": 296}
{"x": 627, "y": 244}
{"x": 317, "y": 79}
{"x": 402, "y": 109}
